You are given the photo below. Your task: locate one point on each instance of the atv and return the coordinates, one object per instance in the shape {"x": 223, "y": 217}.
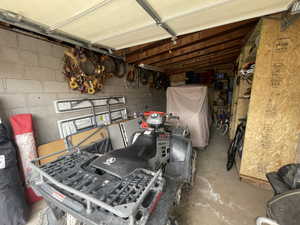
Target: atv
{"x": 137, "y": 184}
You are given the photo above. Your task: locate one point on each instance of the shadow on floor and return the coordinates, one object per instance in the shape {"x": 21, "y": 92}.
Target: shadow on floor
{"x": 219, "y": 197}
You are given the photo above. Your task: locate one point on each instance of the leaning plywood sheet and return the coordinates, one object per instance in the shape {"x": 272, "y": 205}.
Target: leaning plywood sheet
{"x": 75, "y": 139}
{"x": 49, "y": 148}
{"x": 91, "y": 136}
{"x": 273, "y": 119}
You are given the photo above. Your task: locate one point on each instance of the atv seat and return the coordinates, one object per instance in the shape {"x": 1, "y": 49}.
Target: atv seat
{"x": 122, "y": 162}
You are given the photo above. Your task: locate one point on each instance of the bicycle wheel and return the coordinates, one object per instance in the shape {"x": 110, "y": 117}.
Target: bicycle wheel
{"x": 231, "y": 154}
{"x": 225, "y": 129}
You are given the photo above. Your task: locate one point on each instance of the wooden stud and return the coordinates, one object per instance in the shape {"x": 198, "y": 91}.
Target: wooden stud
{"x": 190, "y": 39}
{"x": 217, "y": 48}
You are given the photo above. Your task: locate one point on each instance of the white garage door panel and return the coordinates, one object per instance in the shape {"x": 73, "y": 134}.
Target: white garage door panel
{"x": 109, "y": 19}
{"x": 169, "y": 9}
{"x": 211, "y": 17}
{"x": 123, "y": 23}
{"x": 140, "y": 36}
{"x": 47, "y": 12}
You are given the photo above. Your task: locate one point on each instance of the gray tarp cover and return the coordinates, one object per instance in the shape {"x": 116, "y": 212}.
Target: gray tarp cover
{"x": 13, "y": 208}
{"x": 190, "y": 103}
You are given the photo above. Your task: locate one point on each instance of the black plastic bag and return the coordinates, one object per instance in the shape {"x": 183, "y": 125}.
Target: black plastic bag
{"x": 13, "y": 207}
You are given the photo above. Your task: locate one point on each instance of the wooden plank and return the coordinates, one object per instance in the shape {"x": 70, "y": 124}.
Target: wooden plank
{"x": 273, "y": 120}
{"x": 220, "y": 67}
{"x": 77, "y": 138}
{"x": 190, "y": 39}
{"x": 213, "y": 49}
{"x": 263, "y": 184}
{"x": 140, "y": 48}
{"x": 196, "y": 60}
{"x": 59, "y": 145}
{"x": 227, "y": 59}
{"x": 46, "y": 149}
{"x": 199, "y": 45}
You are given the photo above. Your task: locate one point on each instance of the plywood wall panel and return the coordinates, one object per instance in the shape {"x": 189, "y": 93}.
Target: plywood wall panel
{"x": 274, "y": 113}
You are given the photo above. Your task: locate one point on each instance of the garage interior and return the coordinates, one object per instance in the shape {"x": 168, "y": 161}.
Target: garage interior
{"x": 100, "y": 74}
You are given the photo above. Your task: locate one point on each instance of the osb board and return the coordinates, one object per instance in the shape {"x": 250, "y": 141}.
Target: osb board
{"x": 240, "y": 108}
{"x": 49, "y": 148}
{"x": 59, "y": 145}
{"x": 242, "y": 103}
{"x": 256, "y": 182}
{"x": 273, "y": 119}
{"x": 239, "y": 111}
{"x": 233, "y": 111}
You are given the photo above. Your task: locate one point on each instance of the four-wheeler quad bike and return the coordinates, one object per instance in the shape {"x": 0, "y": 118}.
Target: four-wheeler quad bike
{"x": 135, "y": 185}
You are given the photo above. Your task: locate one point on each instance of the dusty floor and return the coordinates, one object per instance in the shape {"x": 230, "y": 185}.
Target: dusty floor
{"x": 219, "y": 197}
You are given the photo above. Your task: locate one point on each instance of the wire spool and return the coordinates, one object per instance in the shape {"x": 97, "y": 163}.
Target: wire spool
{"x": 87, "y": 66}
{"x": 131, "y": 75}
{"x": 131, "y": 79}
{"x": 143, "y": 77}
{"x": 162, "y": 81}
{"x": 109, "y": 64}
{"x": 121, "y": 68}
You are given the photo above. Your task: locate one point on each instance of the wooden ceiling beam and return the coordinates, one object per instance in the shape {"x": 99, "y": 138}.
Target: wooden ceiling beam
{"x": 210, "y": 59}
{"x": 200, "y": 59}
{"x": 222, "y": 66}
{"x": 140, "y": 48}
{"x": 227, "y": 59}
{"x": 199, "y": 46}
{"x": 208, "y": 65}
{"x": 190, "y": 39}
{"x": 213, "y": 66}
{"x": 201, "y": 53}
{"x": 213, "y": 49}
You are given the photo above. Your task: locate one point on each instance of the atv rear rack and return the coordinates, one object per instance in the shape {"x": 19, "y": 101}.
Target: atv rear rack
{"x": 70, "y": 195}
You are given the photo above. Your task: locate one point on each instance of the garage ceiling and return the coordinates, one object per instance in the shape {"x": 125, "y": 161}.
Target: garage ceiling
{"x": 124, "y": 23}
{"x": 195, "y": 51}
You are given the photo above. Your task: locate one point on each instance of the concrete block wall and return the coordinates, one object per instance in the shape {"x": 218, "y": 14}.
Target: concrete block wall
{"x": 31, "y": 79}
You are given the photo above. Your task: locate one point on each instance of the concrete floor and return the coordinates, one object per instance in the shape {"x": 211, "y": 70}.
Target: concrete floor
{"x": 218, "y": 196}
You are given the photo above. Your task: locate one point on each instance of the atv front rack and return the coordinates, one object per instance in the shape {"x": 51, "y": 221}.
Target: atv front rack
{"x": 70, "y": 182}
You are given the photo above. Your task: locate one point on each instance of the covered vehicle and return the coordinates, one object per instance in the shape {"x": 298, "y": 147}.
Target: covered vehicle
{"x": 190, "y": 103}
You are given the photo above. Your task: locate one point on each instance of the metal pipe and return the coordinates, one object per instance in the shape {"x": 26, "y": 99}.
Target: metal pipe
{"x": 78, "y": 15}
{"x": 26, "y": 24}
{"x": 154, "y": 15}
{"x": 150, "y": 67}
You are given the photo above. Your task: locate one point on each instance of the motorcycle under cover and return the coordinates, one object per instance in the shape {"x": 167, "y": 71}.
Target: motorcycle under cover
{"x": 190, "y": 103}
{"x": 13, "y": 208}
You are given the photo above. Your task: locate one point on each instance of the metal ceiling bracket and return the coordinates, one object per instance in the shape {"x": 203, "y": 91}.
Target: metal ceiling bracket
{"x": 291, "y": 15}
{"x": 21, "y": 23}
{"x": 154, "y": 15}
{"x": 150, "y": 67}
{"x": 78, "y": 15}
